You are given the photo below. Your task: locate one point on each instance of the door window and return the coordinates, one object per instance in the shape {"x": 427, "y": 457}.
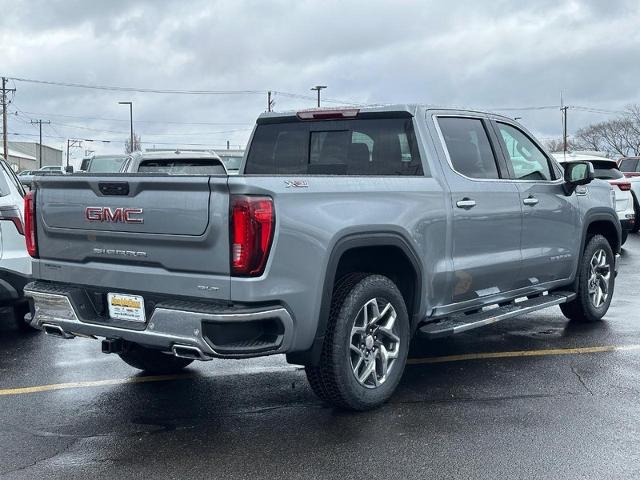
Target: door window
{"x": 629, "y": 165}
{"x": 528, "y": 161}
{"x": 469, "y": 148}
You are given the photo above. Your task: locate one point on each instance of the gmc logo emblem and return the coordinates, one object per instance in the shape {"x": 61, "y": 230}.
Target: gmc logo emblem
{"x": 114, "y": 215}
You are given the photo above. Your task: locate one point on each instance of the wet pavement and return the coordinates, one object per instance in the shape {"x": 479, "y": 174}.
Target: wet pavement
{"x": 532, "y": 397}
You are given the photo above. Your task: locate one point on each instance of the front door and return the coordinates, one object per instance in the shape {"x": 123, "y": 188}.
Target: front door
{"x": 486, "y": 211}
{"x": 550, "y": 229}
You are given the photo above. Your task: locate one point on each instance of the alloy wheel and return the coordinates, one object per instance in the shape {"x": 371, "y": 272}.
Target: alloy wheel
{"x": 599, "y": 278}
{"x": 374, "y": 344}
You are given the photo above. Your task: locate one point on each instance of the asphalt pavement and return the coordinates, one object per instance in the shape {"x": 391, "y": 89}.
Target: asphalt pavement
{"x": 532, "y": 397}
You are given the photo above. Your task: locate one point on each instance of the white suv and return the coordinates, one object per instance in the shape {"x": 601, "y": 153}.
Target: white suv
{"x": 607, "y": 169}
{"x": 15, "y": 263}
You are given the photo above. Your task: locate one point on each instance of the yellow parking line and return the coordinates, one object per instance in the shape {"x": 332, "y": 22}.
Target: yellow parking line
{"x": 96, "y": 383}
{"x": 523, "y": 353}
{"x": 411, "y": 361}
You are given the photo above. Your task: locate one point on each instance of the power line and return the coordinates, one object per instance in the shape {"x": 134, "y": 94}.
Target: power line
{"x": 82, "y": 117}
{"x": 139, "y": 90}
{"x": 24, "y": 134}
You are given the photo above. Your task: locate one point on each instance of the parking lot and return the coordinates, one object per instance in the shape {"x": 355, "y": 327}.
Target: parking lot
{"x": 534, "y": 397}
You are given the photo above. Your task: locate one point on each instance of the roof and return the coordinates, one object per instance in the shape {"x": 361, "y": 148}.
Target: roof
{"x": 165, "y": 155}
{"x": 18, "y": 154}
{"x": 580, "y": 157}
{"x": 410, "y": 108}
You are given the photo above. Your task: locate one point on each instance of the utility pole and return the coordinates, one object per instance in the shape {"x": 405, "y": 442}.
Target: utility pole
{"x": 317, "y": 88}
{"x": 130, "y": 121}
{"x": 5, "y": 103}
{"x": 40, "y": 122}
{"x": 564, "y": 127}
{"x": 270, "y": 102}
{"x": 72, "y": 143}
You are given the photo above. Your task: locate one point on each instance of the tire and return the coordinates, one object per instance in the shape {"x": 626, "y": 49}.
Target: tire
{"x": 636, "y": 209}
{"x": 152, "y": 361}
{"x": 19, "y": 311}
{"x": 596, "y": 271}
{"x": 352, "y": 346}
{"x": 623, "y": 237}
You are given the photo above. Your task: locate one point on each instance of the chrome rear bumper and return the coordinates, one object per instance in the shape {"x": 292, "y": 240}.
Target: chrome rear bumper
{"x": 171, "y": 329}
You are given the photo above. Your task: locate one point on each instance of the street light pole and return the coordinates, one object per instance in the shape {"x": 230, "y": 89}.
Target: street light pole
{"x": 317, "y": 88}
{"x": 130, "y": 121}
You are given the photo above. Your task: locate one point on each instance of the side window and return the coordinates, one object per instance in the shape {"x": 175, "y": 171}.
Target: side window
{"x": 629, "y": 165}
{"x": 528, "y": 161}
{"x": 469, "y": 147}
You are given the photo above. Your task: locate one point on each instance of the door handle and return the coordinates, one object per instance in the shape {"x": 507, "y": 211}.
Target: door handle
{"x": 466, "y": 203}
{"x": 531, "y": 201}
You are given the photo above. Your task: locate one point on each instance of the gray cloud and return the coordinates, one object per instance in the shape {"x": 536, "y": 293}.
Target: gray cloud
{"x": 476, "y": 54}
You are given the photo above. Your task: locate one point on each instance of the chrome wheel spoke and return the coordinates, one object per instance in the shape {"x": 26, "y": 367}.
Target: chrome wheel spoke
{"x": 367, "y": 371}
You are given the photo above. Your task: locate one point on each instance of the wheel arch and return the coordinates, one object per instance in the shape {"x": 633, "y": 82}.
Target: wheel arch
{"x": 353, "y": 252}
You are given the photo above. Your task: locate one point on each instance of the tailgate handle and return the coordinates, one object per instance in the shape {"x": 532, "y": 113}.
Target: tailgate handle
{"x": 114, "y": 188}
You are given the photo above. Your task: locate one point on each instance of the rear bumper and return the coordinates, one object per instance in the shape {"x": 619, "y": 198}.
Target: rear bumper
{"x": 628, "y": 223}
{"x": 177, "y": 326}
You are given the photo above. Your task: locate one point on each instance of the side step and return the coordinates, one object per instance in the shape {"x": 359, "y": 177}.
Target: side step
{"x": 461, "y": 323}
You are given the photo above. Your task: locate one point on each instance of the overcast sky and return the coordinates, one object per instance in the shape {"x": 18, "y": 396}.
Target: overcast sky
{"x": 491, "y": 55}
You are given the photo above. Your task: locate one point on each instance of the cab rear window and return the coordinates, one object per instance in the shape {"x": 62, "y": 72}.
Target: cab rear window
{"x": 380, "y": 146}
{"x": 205, "y": 166}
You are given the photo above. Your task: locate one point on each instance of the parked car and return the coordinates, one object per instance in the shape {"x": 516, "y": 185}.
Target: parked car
{"x": 178, "y": 162}
{"x": 345, "y": 233}
{"x": 105, "y": 163}
{"x": 26, "y": 177}
{"x": 607, "y": 169}
{"x": 630, "y": 166}
{"x": 232, "y": 159}
{"x": 52, "y": 169}
{"x": 15, "y": 262}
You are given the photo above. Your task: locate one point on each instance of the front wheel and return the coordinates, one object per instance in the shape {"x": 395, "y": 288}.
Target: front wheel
{"x": 152, "y": 361}
{"x": 596, "y": 281}
{"x": 365, "y": 346}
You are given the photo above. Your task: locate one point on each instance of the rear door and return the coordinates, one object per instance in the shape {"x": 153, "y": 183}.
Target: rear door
{"x": 486, "y": 211}
{"x": 136, "y": 232}
{"x": 550, "y": 231}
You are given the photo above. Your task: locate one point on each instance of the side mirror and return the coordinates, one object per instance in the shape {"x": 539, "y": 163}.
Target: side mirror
{"x": 68, "y": 169}
{"x": 577, "y": 173}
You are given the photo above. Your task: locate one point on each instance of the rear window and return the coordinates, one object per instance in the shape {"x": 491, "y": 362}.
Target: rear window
{"x": 203, "y": 166}
{"x": 606, "y": 170}
{"x": 106, "y": 165}
{"x": 342, "y": 147}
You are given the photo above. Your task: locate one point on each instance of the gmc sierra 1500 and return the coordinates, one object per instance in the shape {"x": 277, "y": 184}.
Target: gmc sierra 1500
{"x": 346, "y": 232}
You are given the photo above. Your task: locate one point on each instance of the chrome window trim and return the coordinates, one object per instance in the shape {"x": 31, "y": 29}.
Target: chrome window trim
{"x": 435, "y": 117}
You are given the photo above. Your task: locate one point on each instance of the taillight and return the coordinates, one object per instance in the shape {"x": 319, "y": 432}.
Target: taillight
{"x": 624, "y": 186}
{"x": 252, "y": 226}
{"x": 30, "y": 223}
{"x": 12, "y": 214}
{"x": 631, "y": 174}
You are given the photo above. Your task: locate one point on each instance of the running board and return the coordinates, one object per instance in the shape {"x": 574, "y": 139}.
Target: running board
{"x": 461, "y": 323}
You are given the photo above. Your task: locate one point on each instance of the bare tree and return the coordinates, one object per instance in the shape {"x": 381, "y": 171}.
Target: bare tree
{"x": 557, "y": 144}
{"x": 128, "y": 148}
{"x": 618, "y": 137}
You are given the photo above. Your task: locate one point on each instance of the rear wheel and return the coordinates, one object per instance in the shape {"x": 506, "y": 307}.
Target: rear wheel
{"x": 623, "y": 237}
{"x": 153, "y": 361}
{"x": 596, "y": 281}
{"x": 365, "y": 346}
{"x": 636, "y": 209}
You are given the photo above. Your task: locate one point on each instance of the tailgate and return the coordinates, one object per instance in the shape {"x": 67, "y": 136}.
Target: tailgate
{"x": 157, "y": 233}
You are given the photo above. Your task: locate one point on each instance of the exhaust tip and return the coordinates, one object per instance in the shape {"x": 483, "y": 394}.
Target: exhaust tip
{"x": 56, "y": 331}
{"x": 190, "y": 352}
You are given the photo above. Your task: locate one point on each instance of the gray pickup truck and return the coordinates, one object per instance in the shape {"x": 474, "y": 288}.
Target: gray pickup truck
{"x": 346, "y": 233}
